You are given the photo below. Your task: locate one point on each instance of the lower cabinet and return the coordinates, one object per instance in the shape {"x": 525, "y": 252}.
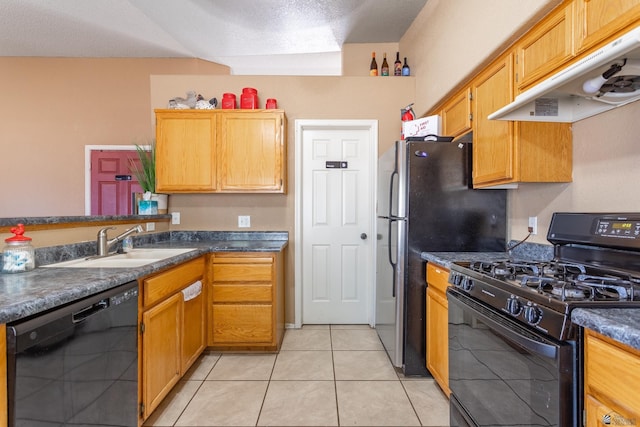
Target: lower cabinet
{"x": 3, "y": 376}
{"x": 172, "y": 329}
{"x": 246, "y": 301}
{"x": 437, "y": 325}
{"x": 611, "y": 378}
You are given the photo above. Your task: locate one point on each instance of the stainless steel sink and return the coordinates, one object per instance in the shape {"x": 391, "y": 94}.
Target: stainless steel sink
{"x": 134, "y": 258}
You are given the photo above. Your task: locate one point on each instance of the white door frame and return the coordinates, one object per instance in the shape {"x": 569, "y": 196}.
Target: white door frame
{"x": 300, "y": 127}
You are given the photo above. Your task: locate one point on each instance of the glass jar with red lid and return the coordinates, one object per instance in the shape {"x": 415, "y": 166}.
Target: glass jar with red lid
{"x": 18, "y": 254}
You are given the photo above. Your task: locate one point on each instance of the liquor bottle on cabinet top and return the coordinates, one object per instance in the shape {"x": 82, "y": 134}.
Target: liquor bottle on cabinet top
{"x": 373, "y": 69}
{"x": 384, "y": 69}
{"x": 406, "y": 71}
{"x": 397, "y": 66}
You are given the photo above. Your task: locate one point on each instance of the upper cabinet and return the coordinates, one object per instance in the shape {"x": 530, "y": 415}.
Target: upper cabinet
{"x": 545, "y": 48}
{"x": 185, "y": 151}
{"x": 456, "y": 114}
{"x": 232, "y": 151}
{"x": 506, "y": 152}
{"x": 251, "y": 152}
{"x": 597, "y": 21}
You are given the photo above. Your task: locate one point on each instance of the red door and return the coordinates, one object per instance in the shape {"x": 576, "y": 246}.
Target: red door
{"x": 112, "y": 182}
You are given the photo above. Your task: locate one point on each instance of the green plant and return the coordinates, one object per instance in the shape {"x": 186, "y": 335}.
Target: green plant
{"x": 145, "y": 169}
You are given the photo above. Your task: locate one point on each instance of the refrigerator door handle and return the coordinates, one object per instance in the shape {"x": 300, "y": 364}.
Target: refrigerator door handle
{"x": 390, "y": 222}
{"x": 393, "y": 264}
{"x": 394, "y": 175}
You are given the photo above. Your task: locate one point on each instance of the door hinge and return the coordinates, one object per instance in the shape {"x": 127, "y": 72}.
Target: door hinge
{"x": 470, "y": 96}
{"x": 141, "y": 328}
{"x": 470, "y": 116}
{"x": 141, "y": 409}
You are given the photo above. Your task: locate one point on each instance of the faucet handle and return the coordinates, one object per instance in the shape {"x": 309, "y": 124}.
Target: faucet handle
{"x": 103, "y": 231}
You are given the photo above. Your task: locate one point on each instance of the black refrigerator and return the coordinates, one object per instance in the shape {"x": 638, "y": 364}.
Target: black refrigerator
{"x": 425, "y": 203}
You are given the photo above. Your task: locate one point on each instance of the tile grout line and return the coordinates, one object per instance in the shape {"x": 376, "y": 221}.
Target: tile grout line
{"x": 264, "y": 398}
{"x": 196, "y": 392}
{"x": 333, "y": 367}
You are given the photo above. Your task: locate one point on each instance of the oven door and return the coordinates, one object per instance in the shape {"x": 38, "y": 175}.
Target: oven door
{"x": 504, "y": 374}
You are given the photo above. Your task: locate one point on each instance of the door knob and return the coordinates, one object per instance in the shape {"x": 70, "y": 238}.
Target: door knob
{"x": 363, "y": 236}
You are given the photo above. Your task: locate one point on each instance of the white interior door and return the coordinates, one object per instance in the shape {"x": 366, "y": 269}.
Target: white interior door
{"x": 338, "y": 165}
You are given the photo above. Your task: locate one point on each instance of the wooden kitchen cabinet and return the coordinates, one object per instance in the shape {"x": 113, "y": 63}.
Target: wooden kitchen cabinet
{"x": 456, "y": 114}
{"x": 506, "y": 152}
{"x": 251, "y": 151}
{"x": 3, "y": 376}
{"x": 232, "y": 151}
{"x": 611, "y": 378}
{"x": 172, "y": 330}
{"x": 186, "y": 158}
{"x": 545, "y": 48}
{"x": 599, "y": 21}
{"x": 438, "y": 325}
{"x": 246, "y": 301}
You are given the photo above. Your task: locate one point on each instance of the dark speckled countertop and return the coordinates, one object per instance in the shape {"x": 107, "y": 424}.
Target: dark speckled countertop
{"x": 26, "y": 294}
{"x": 621, "y": 324}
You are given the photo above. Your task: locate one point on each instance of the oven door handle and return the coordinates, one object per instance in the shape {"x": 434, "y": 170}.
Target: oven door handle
{"x": 530, "y": 343}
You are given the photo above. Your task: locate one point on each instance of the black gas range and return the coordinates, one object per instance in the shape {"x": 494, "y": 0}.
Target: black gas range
{"x": 525, "y": 305}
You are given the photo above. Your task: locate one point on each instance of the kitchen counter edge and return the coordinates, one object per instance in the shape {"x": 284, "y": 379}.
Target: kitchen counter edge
{"x": 620, "y": 324}
{"x": 25, "y": 294}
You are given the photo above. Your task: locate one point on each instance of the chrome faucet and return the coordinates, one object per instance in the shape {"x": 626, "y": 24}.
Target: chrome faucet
{"x": 104, "y": 244}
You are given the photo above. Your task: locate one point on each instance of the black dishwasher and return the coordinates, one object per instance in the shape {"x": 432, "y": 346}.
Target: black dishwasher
{"x": 76, "y": 365}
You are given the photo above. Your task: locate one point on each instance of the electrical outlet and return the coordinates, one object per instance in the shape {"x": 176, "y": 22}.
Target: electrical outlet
{"x": 175, "y": 218}
{"x": 533, "y": 225}
{"x": 151, "y": 226}
{"x": 244, "y": 221}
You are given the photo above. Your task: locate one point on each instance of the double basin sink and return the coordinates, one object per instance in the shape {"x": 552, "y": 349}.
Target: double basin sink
{"x": 134, "y": 258}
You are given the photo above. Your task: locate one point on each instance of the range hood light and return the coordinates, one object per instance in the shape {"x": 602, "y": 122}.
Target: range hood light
{"x": 593, "y": 86}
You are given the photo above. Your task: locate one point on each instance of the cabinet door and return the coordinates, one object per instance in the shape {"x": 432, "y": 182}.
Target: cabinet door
{"x": 193, "y": 331}
{"x": 438, "y": 339}
{"x": 251, "y": 152}
{"x": 545, "y": 48}
{"x": 161, "y": 351}
{"x": 456, "y": 114}
{"x": 493, "y": 145}
{"x": 612, "y": 375}
{"x": 185, "y": 151}
{"x": 599, "y": 414}
{"x": 597, "y": 21}
{"x": 438, "y": 325}
{"x": 3, "y": 375}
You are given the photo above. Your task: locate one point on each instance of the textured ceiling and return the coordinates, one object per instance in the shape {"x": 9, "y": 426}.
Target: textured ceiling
{"x": 274, "y": 36}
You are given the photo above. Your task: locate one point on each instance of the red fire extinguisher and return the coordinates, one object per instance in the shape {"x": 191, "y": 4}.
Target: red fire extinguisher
{"x": 407, "y": 115}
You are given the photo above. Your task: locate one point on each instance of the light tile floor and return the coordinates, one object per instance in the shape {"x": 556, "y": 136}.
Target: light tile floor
{"x": 324, "y": 375}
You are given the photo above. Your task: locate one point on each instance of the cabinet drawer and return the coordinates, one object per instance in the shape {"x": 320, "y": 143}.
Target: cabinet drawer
{"x": 242, "y": 293}
{"x": 253, "y": 272}
{"x": 242, "y": 323}
{"x": 437, "y": 277}
{"x": 611, "y": 372}
{"x": 160, "y": 286}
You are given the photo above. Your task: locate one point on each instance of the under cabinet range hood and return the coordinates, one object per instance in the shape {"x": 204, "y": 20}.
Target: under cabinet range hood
{"x": 606, "y": 79}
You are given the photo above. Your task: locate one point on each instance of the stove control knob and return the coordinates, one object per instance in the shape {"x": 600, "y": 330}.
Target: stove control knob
{"x": 467, "y": 284}
{"x": 513, "y": 306}
{"x": 455, "y": 278}
{"x": 532, "y": 314}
